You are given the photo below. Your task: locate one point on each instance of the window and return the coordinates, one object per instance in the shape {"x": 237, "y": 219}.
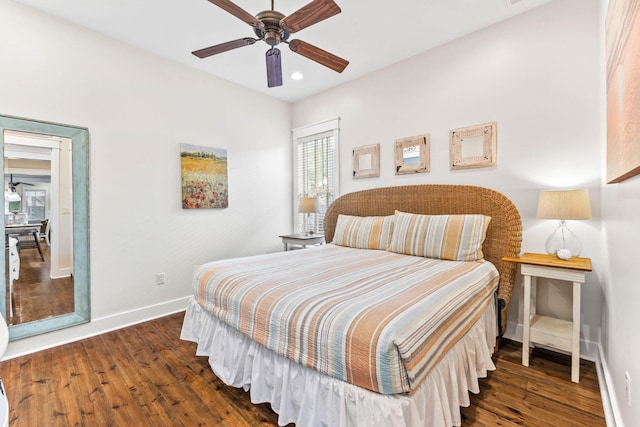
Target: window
{"x": 35, "y": 203}
{"x": 315, "y": 171}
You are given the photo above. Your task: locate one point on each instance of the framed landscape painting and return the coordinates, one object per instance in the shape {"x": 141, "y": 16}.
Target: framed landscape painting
{"x": 204, "y": 177}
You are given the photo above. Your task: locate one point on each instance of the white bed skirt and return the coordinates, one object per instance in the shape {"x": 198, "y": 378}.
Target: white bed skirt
{"x": 307, "y": 397}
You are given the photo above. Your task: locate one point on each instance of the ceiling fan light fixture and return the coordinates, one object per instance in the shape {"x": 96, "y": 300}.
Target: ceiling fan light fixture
{"x": 274, "y": 67}
{"x": 272, "y": 38}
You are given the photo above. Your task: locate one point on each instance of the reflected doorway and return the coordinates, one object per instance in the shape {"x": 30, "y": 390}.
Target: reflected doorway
{"x": 38, "y": 226}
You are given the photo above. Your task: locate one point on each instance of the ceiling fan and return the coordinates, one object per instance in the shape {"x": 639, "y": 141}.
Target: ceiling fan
{"x": 274, "y": 28}
{"x": 12, "y": 185}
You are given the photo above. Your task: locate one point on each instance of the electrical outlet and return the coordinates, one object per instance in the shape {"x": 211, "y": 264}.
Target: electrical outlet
{"x": 627, "y": 387}
{"x": 160, "y": 278}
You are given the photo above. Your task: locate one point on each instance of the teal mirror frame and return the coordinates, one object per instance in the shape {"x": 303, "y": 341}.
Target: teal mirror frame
{"x": 80, "y": 181}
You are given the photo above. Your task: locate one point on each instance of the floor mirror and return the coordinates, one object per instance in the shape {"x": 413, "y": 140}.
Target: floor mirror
{"x": 46, "y": 222}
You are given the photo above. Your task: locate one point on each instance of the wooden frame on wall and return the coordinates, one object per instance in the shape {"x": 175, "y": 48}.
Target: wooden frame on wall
{"x": 473, "y": 146}
{"x": 366, "y": 161}
{"x": 622, "y": 34}
{"x": 412, "y": 154}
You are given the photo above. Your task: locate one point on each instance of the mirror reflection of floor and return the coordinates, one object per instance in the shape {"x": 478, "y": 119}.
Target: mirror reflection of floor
{"x": 35, "y": 295}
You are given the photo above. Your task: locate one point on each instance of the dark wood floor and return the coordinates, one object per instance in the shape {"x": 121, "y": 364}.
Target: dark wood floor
{"x": 540, "y": 395}
{"x": 145, "y": 375}
{"x": 35, "y": 295}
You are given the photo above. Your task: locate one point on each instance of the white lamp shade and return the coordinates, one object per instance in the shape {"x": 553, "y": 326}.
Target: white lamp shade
{"x": 308, "y": 205}
{"x": 564, "y": 204}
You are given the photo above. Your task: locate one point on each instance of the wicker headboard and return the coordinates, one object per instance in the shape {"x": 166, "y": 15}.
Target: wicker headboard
{"x": 504, "y": 234}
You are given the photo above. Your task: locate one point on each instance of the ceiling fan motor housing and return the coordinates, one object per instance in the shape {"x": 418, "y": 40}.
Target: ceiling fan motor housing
{"x": 272, "y": 33}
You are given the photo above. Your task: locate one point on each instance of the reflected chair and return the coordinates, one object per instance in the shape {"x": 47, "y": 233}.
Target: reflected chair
{"x": 29, "y": 238}
{"x": 45, "y": 231}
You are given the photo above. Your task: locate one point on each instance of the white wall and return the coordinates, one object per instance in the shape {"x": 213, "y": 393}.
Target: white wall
{"x": 620, "y": 284}
{"x": 537, "y": 75}
{"x": 138, "y": 109}
{"x": 621, "y": 292}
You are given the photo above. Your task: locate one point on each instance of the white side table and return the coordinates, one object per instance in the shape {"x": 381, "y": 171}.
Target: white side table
{"x": 303, "y": 240}
{"x": 548, "y": 331}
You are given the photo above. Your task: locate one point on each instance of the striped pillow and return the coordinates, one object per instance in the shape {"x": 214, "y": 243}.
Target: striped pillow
{"x": 450, "y": 237}
{"x": 364, "y": 232}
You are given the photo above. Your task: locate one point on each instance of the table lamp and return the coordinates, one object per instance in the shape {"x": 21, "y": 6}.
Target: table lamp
{"x": 307, "y": 206}
{"x": 563, "y": 205}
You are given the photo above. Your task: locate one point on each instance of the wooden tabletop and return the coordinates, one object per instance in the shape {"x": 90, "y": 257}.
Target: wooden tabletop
{"x": 302, "y": 236}
{"x": 552, "y": 261}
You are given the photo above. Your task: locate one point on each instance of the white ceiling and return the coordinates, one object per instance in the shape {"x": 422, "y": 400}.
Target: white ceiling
{"x": 370, "y": 34}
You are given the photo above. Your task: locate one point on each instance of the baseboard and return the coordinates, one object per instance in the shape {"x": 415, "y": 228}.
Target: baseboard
{"x": 95, "y": 327}
{"x": 61, "y": 272}
{"x": 609, "y": 400}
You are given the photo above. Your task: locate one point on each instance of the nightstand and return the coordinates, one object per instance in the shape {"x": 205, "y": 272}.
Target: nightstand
{"x": 303, "y": 240}
{"x": 548, "y": 331}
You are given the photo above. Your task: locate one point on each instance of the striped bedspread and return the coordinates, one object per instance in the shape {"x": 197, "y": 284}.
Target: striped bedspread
{"x": 373, "y": 318}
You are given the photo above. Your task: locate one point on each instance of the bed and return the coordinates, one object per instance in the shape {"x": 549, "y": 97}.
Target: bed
{"x": 391, "y": 323}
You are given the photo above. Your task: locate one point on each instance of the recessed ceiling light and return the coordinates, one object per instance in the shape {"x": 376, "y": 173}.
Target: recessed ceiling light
{"x": 297, "y": 76}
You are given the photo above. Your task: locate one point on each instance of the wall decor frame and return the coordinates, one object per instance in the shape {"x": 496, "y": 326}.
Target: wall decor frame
{"x": 622, "y": 42}
{"x": 366, "y": 161}
{"x": 204, "y": 177}
{"x": 412, "y": 154}
{"x": 473, "y": 146}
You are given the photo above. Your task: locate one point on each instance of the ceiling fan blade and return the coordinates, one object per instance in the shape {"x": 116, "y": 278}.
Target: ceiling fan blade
{"x": 238, "y": 12}
{"x": 274, "y": 67}
{"x": 312, "y": 13}
{"x": 318, "y": 55}
{"x": 223, "y": 47}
